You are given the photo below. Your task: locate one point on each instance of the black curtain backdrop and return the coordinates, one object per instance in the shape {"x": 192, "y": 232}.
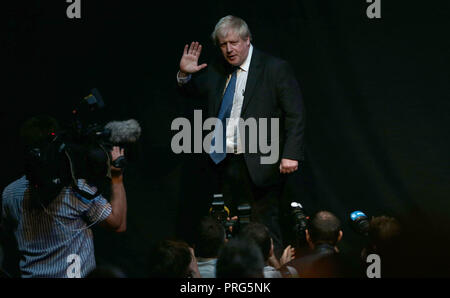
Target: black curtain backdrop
{"x": 376, "y": 98}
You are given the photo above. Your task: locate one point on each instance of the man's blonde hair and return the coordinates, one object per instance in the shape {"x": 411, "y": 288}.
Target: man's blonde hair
{"x": 230, "y": 23}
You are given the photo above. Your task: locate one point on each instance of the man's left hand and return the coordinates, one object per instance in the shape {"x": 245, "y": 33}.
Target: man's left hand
{"x": 288, "y": 166}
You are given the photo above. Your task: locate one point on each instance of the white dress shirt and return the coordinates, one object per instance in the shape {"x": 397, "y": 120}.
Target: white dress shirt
{"x": 232, "y": 132}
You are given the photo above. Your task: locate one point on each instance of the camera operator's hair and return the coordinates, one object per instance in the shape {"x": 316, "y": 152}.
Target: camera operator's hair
{"x": 258, "y": 233}
{"x": 209, "y": 238}
{"x": 35, "y": 130}
{"x": 169, "y": 258}
{"x": 230, "y": 23}
{"x": 324, "y": 227}
{"x": 240, "y": 258}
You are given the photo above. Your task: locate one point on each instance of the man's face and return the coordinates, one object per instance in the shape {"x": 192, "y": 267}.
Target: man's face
{"x": 234, "y": 48}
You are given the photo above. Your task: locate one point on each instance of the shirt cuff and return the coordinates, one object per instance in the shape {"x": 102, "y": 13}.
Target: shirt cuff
{"x": 183, "y": 80}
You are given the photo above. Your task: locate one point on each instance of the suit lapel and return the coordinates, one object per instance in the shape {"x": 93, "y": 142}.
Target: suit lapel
{"x": 254, "y": 72}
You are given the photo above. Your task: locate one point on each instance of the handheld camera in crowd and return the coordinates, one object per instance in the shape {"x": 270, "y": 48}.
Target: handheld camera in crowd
{"x": 79, "y": 151}
{"x": 218, "y": 209}
{"x": 221, "y": 212}
{"x": 300, "y": 220}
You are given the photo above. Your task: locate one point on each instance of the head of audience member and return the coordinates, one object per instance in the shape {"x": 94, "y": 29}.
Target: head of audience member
{"x": 385, "y": 241}
{"x": 324, "y": 228}
{"x": 384, "y": 234}
{"x": 170, "y": 259}
{"x": 259, "y": 233}
{"x": 209, "y": 238}
{"x": 240, "y": 258}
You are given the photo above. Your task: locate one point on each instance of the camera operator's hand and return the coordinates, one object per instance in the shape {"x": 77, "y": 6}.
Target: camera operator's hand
{"x": 117, "y": 220}
{"x": 116, "y": 152}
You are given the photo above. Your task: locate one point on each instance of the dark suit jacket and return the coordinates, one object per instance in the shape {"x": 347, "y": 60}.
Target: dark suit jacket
{"x": 323, "y": 262}
{"x": 271, "y": 92}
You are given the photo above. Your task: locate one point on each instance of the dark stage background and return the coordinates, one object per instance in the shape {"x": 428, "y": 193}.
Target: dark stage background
{"x": 376, "y": 99}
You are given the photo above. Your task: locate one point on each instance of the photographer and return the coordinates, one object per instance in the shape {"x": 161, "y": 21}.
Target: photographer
{"x": 53, "y": 238}
{"x": 324, "y": 260}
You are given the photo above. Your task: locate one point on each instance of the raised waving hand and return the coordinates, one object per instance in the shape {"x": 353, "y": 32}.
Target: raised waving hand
{"x": 189, "y": 60}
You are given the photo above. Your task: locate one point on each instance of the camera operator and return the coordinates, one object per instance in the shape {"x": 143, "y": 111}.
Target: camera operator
{"x": 54, "y": 238}
{"x": 324, "y": 260}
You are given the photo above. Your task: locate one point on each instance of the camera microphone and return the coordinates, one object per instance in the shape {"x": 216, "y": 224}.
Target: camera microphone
{"x": 360, "y": 222}
{"x": 123, "y": 132}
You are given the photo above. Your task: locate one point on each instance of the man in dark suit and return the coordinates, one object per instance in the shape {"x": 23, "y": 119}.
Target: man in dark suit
{"x": 256, "y": 88}
{"x": 324, "y": 260}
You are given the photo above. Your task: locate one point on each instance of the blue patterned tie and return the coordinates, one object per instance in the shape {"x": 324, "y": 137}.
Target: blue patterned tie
{"x": 224, "y": 113}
